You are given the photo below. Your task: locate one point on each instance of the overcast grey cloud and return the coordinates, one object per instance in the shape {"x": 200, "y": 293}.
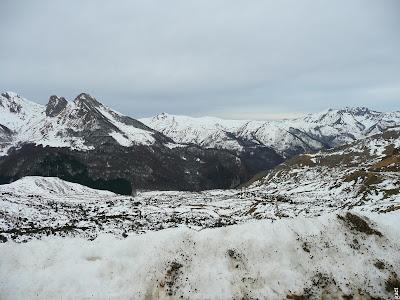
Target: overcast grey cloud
{"x": 232, "y": 59}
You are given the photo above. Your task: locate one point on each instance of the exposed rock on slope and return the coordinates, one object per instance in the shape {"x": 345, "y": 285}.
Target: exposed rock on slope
{"x": 367, "y": 171}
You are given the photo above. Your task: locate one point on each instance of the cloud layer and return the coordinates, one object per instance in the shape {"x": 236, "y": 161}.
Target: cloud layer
{"x": 233, "y": 59}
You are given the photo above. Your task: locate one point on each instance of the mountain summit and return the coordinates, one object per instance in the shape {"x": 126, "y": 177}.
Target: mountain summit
{"x": 55, "y": 106}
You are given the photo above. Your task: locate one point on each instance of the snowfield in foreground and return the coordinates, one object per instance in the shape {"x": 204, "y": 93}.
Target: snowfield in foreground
{"x": 35, "y": 207}
{"x": 329, "y": 256}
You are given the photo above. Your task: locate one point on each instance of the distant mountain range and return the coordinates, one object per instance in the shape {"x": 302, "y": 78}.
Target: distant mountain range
{"x": 328, "y": 129}
{"x": 87, "y": 142}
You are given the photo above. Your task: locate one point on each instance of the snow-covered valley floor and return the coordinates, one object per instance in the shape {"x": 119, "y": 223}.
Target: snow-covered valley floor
{"x": 326, "y": 257}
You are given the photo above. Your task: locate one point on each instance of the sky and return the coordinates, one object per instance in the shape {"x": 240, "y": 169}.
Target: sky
{"x": 231, "y": 59}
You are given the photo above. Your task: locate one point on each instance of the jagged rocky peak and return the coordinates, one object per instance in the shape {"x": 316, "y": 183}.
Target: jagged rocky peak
{"x": 13, "y": 105}
{"x": 87, "y": 108}
{"x": 162, "y": 116}
{"x": 84, "y": 98}
{"x": 10, "y": 95}
{"x": 55, "y": 106}
{"x": 5, "y": 95}
{"x": 357, "y": 111}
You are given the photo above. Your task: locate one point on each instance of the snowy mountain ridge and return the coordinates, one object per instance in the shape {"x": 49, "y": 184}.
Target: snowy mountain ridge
{"x": 77, "y": 124}
{"x": 327, "y": 129}
{"x": 208, "y": 132}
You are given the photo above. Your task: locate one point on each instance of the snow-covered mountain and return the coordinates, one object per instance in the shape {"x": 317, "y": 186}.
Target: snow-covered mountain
{"x": 205, "y": 131}
{"x": 327, "y": 129}
{"x": 79, "y": 125}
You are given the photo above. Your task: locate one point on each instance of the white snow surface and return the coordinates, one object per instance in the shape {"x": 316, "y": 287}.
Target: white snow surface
{"x": 18, "y": 111}
{"x": 50, "y": 186}
{"x": 322, "y": 257}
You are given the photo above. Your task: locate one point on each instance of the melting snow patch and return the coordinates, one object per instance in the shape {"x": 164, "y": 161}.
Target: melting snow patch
{"x": 172, "y": 145}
